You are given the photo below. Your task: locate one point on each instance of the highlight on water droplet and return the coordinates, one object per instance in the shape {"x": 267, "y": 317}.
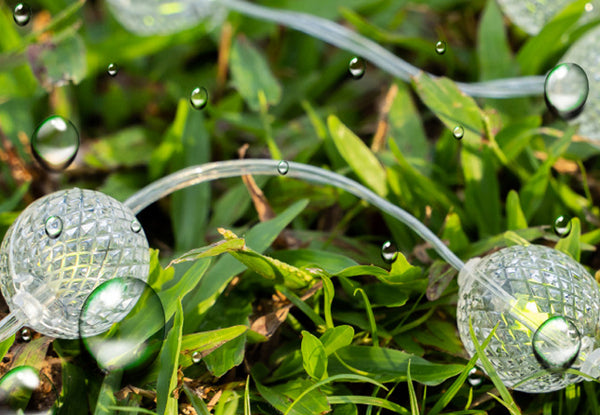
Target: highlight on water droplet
{"x": 25, "y": 335}
{"x": 112, "y": 69}
{"x": 556, "y": 343}
{"x": 22, "y": 14}
{"x": 17, "y": 386}
{"x": 136, "y": 227}
{"x": 389, "y": 252}
{"x": 589, "y": 7}
{"x": 283, "y": 167}
{"x": 55, "y": 143}
{"x": 458, "y": 132}
{"x": 196, "y": 357}
{"x": 566, "y": 90}
{"x": 562, "y": 226}
{"x": 122, "y": 324}
{"x": 440, "y": 47}
{"x": 357, "y": 67}
{"x": 53, "y": 226}
{"x": 199, "y": 98}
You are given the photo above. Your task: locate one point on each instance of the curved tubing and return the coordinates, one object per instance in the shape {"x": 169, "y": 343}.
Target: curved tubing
{"x": 235, "y": 168}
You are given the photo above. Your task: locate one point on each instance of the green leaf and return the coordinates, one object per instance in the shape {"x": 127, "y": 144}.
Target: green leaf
{"x": 106, "y": 397}
{"x": 515, "y": 218}
{"x": 405, "y": 126}
{"x": 570, "y": 244}
{"x": 493, "y": 51}
{"x": 5, "y": 345}
{"x": 197, "y": 403}
{"x": 126, "y": 148}
{"x": 314, "y": 357}
{"x": 280, "y": 397}
{"x": 251, "y": 74}
{"x": 454, "y": 234}
{"x": 328, "y": 261}
{"x": 389, "y": 365}
{"x": 207, "y": 341}
{"x": 166, "y": 404}
{"x": 33, "y": 353}
{"x": 414, "y": 405}
{"x": 337, "y": 337}
{"x": 211, "y": 250}
{"x": 358, "y": 156}
{"x": 368, "y": 400}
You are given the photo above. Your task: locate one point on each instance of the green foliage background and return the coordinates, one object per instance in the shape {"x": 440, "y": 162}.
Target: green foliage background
{"x": 356, "y": 335}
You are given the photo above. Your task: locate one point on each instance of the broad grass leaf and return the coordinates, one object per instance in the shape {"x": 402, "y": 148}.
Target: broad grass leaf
{"x": 207, "y": 341}
{"x": 211, "y": 250}
{"x": 493, "y": 50}
{"x": 330, "y": 262}
{"x": 454, "y": 234}
{"x": 281, "y": 397}
{"x": 405, "y": 126}
{"x": 337, "y": 337}
{"x": 359, "y": 157}
{"x": 314, "y": 358}
{"x": 515, "y": 218}
{"x": 166, "y": 404}
{"x": 571, "y": 244}
{"x": 368, "y": 400}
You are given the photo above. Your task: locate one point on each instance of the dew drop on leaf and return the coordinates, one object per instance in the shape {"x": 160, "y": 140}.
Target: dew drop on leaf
{"x": 389, "y": 252}
{"x": 566, "y": 89}
{"x": 22, "y": 14}
{"x": 199, "y": 98}
{"x": 55, "y": 143}
{"x": 357, "y": 67}
{"x": 112, "y": 69}
{"x": 458, "y": 132}
{"x": 440, "y": 47}
{"x": 562, "y": 226}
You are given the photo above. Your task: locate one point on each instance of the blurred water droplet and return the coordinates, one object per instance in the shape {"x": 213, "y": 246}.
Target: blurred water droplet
{"x": 458, "y": 132}
{"x": 196, "y": 357}
{"x": 283, "y": 167}
{"x": 122, "y": 324}
{"x": 112, "y": 69}
{"x": 589, "y": 7}
{"x": 199, "y": 98}
{"x": 54, "y": 226}
{"x": 474, "y": 378}
{"x": 389, "y": 252}
{"x": 357, "y": 67}
{"x": 562, "y": 226}
{"x": 136, "y": 227}
{"x": 440, "y": 47}
{"x": 25, "y": 335}
{"x": 16, "y": 386}
{"x": 566, "y": 89}
{"x": 55, "y": 143}
{"x": 22, "y": 14}
{"x": 556, "y": 343}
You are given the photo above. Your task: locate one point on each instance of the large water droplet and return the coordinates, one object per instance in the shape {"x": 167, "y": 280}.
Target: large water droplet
{"x": 199, "y": 98}
{"x": 556, "y": 342}
{"x": 562, "y": 226}
{"x": 22, "y": 14}
{"x": 136, "y": 227}
{"x": 55, "y": 143}
{"x": 389, "y": 252}
{"x": 283, "y": 167}
{"x": 122, "y": 324}
{"x": 440, "y": 47}
{"x": 54, "y": 226}
{"x": 474, "y": 378}
{"x": 357, "y": 67}
{"x": 112, "y": 69}
{"x": 566, "y": 90}
{"x": 196, "y": 357}
{"x": 458, "y": 132}
{"x": 25, "y": 335}
{"x": 16, "y": 387}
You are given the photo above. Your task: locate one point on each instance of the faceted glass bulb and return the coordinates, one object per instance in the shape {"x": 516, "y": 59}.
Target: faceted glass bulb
{"x": 522, "y": 288}
{"x": 60, "y": 249}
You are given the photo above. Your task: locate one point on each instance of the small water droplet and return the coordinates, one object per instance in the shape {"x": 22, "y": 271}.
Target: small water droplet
{"x": 112, "y": 69}
{"x": 199, "y": 98}
{"x": 562, "y": 226}
{"x": 25, "y": 335}
{"x": 589, "y": 7}
{"x": 55, "y": 143}
{"x": 196, "y": 357}
{"x": 54, "y": 227}
{"x": 440, "y": 47}
{"x": 556, "y": 343}
{"x": 357, "y": 67}
{"x": 458, "y": 132}
{"x": 474, "y": 378}
{"x": 283, "y": 167}
{"x": 136, "y": 226}
{"x": 21, "y": 14}
{"x": 389, "y": 252}
{"x": 566, "y": 90}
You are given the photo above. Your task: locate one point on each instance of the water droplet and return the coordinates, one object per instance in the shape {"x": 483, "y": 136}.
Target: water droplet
{"x": 196, "y": 357}
{"x": 136, "y": 227}
{"x": 474, "y": 378}
{"x": 54, "y": 226}
{"x": 589, "y": 7}
{"x": 25, "y": 335}
{"x": 440, "y": 47}
{"x": 122, "y": 324}
{"x": 556, "y": 342}
{"x": 21, "y": 14}
{"x": 17, "y": 385}
{"x": 566, "y": 90}
{"x": 283, "y": 167}
{"x": 357, "y": 67}
{"x": 389, "y": 252}
{"x": 458, "y": 132}
{"x": 112, "y": 69}
{"x": 562, "y": 226}
{"x": 199, "y": 98}
{"x": 55, "y": 143}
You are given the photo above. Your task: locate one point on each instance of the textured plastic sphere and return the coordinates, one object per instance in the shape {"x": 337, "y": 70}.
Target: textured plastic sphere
{"x": 542, "y": 283}
{"x": 49, "y": 278}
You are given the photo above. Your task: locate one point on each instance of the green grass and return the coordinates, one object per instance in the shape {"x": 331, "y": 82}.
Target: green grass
{"x": 285, "y": 305}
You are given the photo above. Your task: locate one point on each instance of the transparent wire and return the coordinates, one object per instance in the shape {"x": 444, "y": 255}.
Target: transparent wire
{"x": 235, "y": 168}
